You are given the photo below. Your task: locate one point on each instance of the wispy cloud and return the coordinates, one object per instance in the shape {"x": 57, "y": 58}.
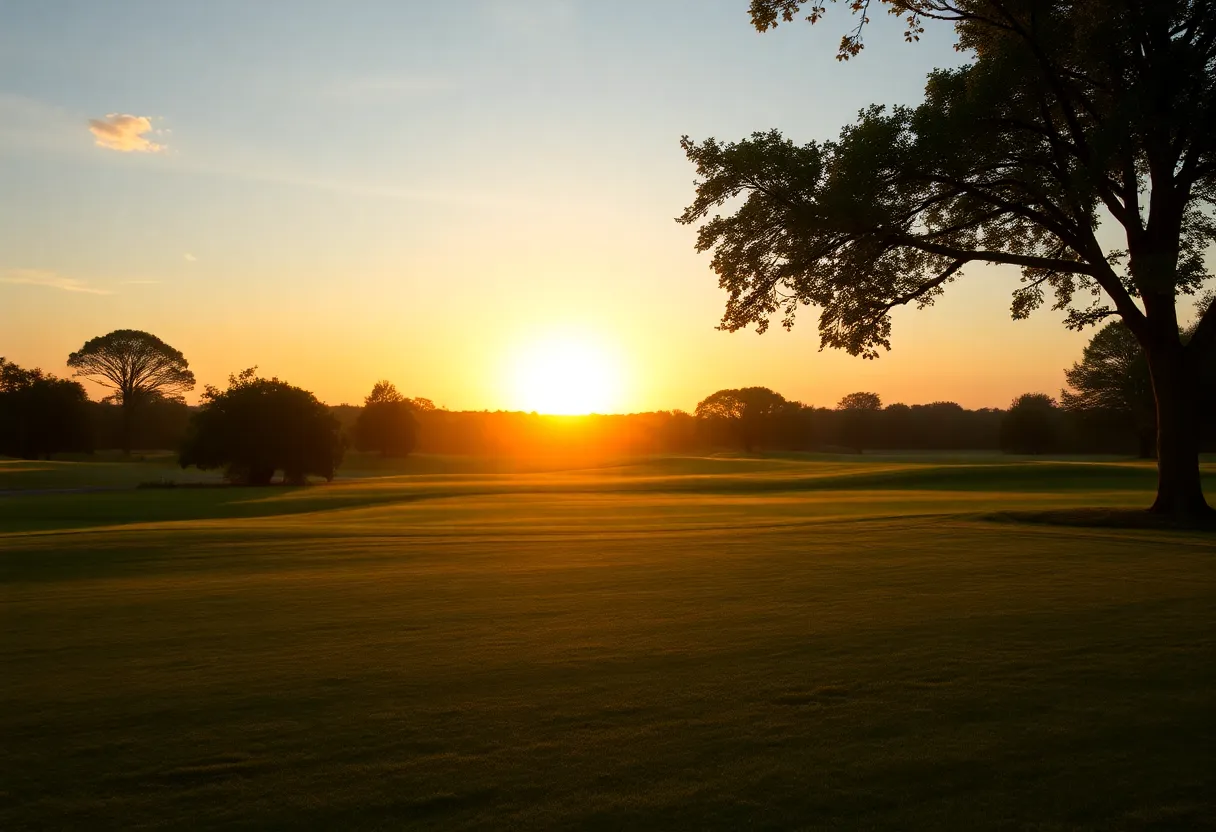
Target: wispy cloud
{"x": 50, "y": 280}
{"x": 124, "y": 133}
{"x": 141, "y": 283}
{"x": 375, "y": 86}
{"x": 189, "y": 258}
{"x": 381, "y": 191}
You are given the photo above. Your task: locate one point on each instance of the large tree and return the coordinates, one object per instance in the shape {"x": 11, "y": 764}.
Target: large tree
{"x": 1031, "y": 426}
{"x": 860, "y": 412}
{"x": 137, "y": 366}
{"x": 1067, "y": 117}
{"x": 40, "y": 414}
{"x": 747, "y": 413}
{"x": 386, "y": 424}
{"x": 262, "y": 425}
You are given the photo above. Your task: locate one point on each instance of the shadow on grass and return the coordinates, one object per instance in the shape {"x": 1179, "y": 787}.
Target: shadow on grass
{"x": 1105, "y": 518}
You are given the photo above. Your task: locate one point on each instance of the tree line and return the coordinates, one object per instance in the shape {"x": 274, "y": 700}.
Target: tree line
{"x": 258, "y": 427}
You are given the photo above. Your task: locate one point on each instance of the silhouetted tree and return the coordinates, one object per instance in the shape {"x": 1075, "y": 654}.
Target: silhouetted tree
{"x": 40, "y": 414}
{"x": 1064, "y": 112}
{"x": 137, "y": 366}
{"x": 860, "y": 401}
{"x": 744, "y": 413}
{"x": 259, "y": 426}
{"x": 1031, "y": 426}
{"x": 1113, "y": 379}
{"x": 386, "y": 424}
{"x": 859, "y": 414}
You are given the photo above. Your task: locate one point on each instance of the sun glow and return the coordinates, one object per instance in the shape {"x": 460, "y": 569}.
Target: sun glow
{"x": 565, "y": 376}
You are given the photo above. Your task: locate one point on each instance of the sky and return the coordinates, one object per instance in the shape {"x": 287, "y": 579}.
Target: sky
{"x": 473, "y": 200}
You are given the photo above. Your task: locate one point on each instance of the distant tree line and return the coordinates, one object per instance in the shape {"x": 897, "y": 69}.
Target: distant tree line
{"x": 258, "y": 428}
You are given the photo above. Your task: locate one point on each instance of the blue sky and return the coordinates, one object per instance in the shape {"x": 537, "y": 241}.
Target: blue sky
{"x": 425, "y": 191}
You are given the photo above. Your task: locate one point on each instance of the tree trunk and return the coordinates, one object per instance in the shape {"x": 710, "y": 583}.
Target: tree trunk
{"x": 1179, "y": 488}
{"x": 125, "y": 439}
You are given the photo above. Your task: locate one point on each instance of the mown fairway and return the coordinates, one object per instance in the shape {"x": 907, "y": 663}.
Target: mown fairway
{"x": 681, "y": 643}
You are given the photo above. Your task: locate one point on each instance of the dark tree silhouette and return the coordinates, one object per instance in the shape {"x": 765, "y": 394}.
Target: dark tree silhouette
{"x": 1112, "y": 379}
{"x": 860, "y": 415}
{"x": 386, "y": 424}
{"x": 259, "y": 426}
{"x": 1032, "y": 425}
{"x": 1069, "y": 113}
{"x": 744, "y": 413}
{"x": 40, "y": 414}
{"x": 860, "y": 401}
{"x": 137, "y": 366}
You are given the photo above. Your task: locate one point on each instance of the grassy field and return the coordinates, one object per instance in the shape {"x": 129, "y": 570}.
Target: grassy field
{"x": 684, "y": 643}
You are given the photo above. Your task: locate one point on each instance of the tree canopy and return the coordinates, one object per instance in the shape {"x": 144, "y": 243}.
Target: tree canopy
{"x": 1066, "y": 115}
{"x": 40, "y": 414}
{"x": 1032, "y": 425}
{"x": 386, "y": 424}
{"x": 137, "y": 366}
{"x": 133, "y": 363}
{"x": 259, "y": 426}
{"x": 1113, "y": 379}
{"x": 743, "y": 411}
{"x": 860, "y": 401}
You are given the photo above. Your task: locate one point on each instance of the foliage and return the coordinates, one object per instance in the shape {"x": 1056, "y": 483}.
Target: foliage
{"x": 1066, "y": 112}
{"x": 860, "y": 428}
{"x": 134, "y": 364}
{"x": 1112, "y": 379}
{"x": 1032, "y": 425}
{"x": 745, "y": 412}
{"x": 41, "y": 415}
{"x": 386, "y": 424}
{"x": 137, "y": 366}
{"x": 860, "y": 401}
{"x": 259, "y": 426}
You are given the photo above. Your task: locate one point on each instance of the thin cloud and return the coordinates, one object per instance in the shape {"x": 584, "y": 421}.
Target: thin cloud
{"x": 141, "y": 283}
{"x": 49, "y": 280}
{"x": 124, "y": 133}
{"x": 189, "y": 258}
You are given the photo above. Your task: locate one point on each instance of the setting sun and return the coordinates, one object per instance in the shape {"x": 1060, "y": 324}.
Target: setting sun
{"x": 565, "y": 376}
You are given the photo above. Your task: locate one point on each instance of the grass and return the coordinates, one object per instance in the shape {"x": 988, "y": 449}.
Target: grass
{"x": 719, "y": 642}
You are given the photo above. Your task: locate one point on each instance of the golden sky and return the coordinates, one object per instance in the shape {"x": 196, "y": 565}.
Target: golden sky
{"x": 475, "y": 202}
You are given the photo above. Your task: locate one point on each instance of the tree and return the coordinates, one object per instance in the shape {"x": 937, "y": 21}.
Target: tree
{"x": 744, "y": 414}
{"x": 1032, "y": 425}
{"x": 41, "y": 415}
{"x": 137, "y": 366}
{"x": 859, "y": 428}
{"x": 386, "y": 423}
{"x": 1113, "y": 379}
{"x": 860, "y": 401}
{"x": 259, "y": 426}
{"x": 1069, "y": 115}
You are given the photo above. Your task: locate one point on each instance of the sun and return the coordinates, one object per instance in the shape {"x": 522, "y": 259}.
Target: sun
{"x": 565, "y": 376}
